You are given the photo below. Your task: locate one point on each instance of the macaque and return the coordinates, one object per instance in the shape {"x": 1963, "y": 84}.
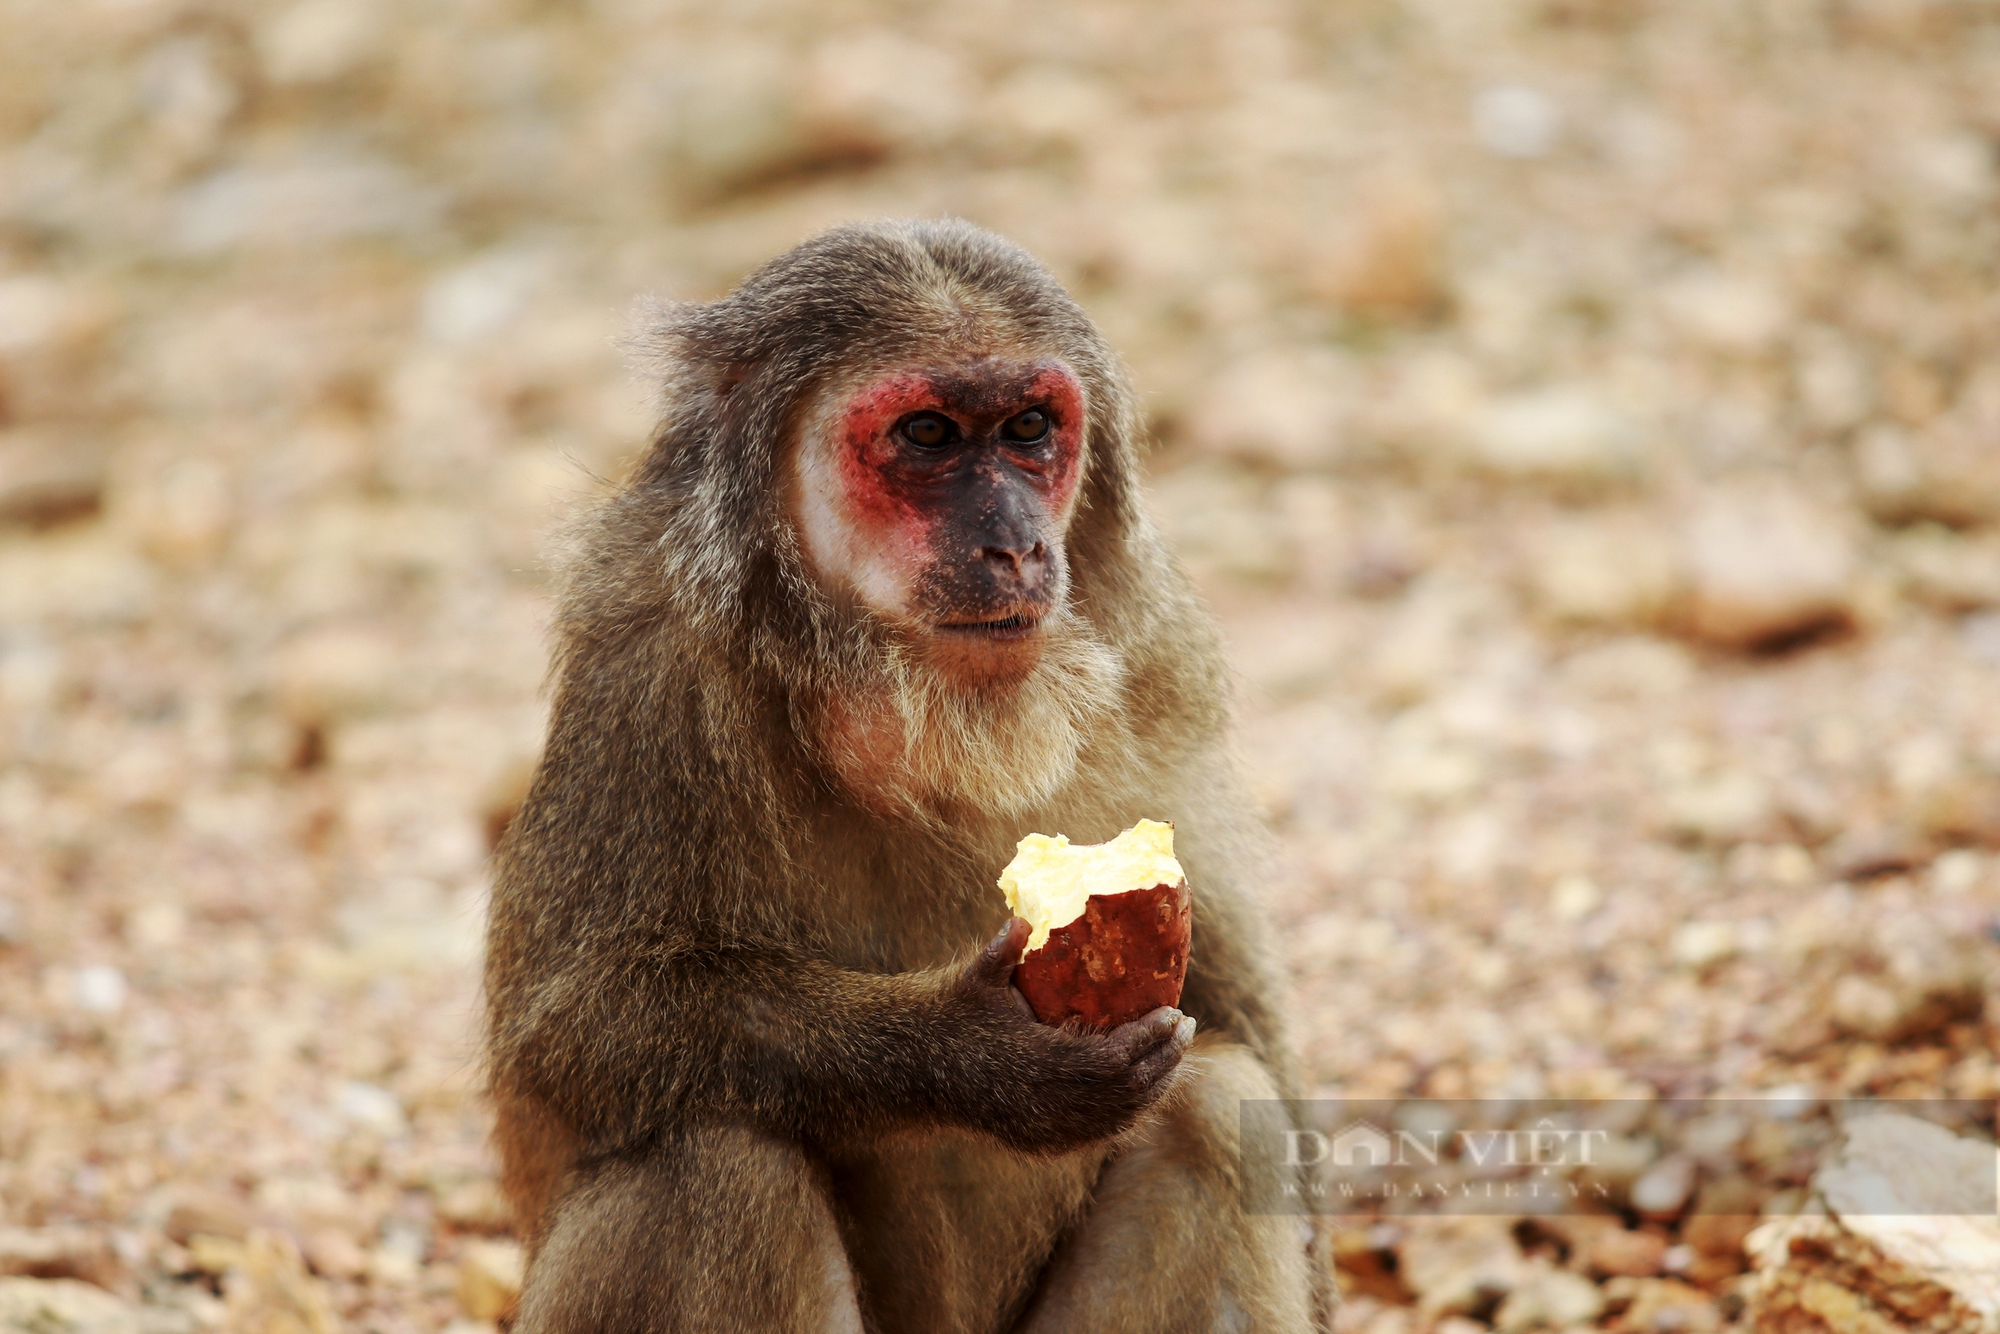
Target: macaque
{"x": 881, "y": 598}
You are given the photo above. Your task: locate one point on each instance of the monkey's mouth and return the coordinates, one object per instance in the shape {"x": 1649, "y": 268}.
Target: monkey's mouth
{"x": 1018, "y": 626}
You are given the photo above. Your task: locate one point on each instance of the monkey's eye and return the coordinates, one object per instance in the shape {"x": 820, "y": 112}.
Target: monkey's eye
{"x": 1025, "y": 428}
{"x": 927, "y": 430}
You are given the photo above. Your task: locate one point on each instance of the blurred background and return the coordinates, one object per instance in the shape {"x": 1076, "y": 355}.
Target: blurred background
{"x": 1583, "y": 415}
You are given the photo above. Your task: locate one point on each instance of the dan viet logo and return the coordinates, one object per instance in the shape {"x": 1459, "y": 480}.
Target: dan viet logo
{"x": 1512, "y": 1156}
{"x": 1362, "y": 1144}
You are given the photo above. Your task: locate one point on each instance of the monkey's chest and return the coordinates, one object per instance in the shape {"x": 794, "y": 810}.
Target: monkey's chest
{"x": 893, "y": 917}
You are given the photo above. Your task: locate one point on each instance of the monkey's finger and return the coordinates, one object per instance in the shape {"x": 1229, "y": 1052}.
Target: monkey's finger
{"x": 995, "y": 965}
{"x": 1161, "y": 1061}
{"x": 1147, "y": 1032}
{"x": 1020, "y": 1002}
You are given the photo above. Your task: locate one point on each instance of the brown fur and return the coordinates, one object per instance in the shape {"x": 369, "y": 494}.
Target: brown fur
{"x": 745, "y": 1076}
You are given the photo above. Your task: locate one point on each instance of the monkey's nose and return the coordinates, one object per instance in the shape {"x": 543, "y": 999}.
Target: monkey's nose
{"x": 1020, "y": 562}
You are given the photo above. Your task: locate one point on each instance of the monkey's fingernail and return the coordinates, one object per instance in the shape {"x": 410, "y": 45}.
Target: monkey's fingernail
{"x": 1184, "y": 1030}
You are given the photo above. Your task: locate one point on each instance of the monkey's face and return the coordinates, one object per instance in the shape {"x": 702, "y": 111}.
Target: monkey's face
{"x": 938, "y": 497}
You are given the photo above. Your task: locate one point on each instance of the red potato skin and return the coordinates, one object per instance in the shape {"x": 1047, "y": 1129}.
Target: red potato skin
{"x": 1126, "y": 956}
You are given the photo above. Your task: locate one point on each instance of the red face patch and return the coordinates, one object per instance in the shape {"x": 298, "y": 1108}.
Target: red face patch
{"x": 893, "y": 487}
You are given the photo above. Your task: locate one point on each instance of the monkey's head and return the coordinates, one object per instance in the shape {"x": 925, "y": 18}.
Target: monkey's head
{"x": 938, "y": 496}
{"x": 897, "y": 475}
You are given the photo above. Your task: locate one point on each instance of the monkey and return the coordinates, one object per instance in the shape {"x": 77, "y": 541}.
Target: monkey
{"x": 880, "y": 597}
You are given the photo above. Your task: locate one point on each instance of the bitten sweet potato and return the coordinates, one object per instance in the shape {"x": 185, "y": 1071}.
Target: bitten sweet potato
{"x": 1112, "y": 925}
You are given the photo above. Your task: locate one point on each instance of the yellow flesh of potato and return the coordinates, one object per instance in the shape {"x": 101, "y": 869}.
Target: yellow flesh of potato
{"x": 1050, "y": 880}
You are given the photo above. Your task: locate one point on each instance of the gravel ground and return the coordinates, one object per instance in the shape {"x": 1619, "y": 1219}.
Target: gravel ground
{"x": 1583, "y": 415}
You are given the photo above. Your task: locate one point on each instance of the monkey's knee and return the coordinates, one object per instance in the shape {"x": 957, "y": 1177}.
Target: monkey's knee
{"x": 1167, "y": 1243}
{"x": 726, "y": 1230}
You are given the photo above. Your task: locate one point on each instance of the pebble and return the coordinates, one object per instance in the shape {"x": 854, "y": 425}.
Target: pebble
{"x": 371, "y": 1107}
{"x": 489, "y": 1278}
{"x": 99, "y": 988}
{"x": 1724, "y": 312}
{"x": 1613, "y": 568}
{"x": 1662, "y": 1306}
{"x": 59, "y": 1251}
{"x": 1548, "y": 1298}
{"x": 1617, "y": 1252}
{"x": 1516, "y": 120}
{"x": 1663, "y": 1189}
{"x": 1564, "y": 434}
{"x": 339, "y": 672}
{"x": 319, "y": 196}
{"x": 1947, "y": 570}
{"x": 1910, "y": 1233}
{"x": 62, "y": 1306}
{"x": 1459, "y": 1265}
{"x": 48, "y": 478}
{"x": 1765, "y": 566}
{"x": 1699, "y": 944}
{"x": 1927, "y": 985}
{"x": 1720, "y": 808}
{"x": 1283, "y": 405}
{"x": 1948, "y": 474}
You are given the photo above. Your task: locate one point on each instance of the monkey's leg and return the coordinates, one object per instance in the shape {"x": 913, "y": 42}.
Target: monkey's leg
{"x": 1167, "y": 1244}
{"x": 727, "y": 1230}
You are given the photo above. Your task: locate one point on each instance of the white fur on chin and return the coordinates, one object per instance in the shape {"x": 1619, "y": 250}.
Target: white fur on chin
{"x": 927, "y": 744}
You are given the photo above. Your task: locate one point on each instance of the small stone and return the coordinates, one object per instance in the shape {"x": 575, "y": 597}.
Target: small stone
{"x": 196, "y": 1213}
{"x": 1949, "y": 473}
{"x": 58, "y": 1252}
{"x": 1947, "y": 570}
{"x": 334, "y": 1253}
{"x": 1699, "y": 944}
{"x": 48, "y": 479}
{"x": 1564, "y": 434}
{"x": 729, "y": 115}
{"x": 1460, "y": 1265}
{"x": 1611, "y": 569}
{"x": 475, "y": 1206}
{"x": 1764, "y": 567}
{"x": 183, "y": 518}
{"x": 1390, "y": 264}
{"x": 1616, "y": 1252}
{"x": 269, "y": 1288}
{"x": 1926, "y": 986}
{"x": 1868, "y": 850}
{"x": 1575, "y": 897}
{"x": 336, "y": 673}
{"x": 1909, "y": 1240}
{"x": 1515, "y": 120}
{"x": 1720, "y": 808}
{"x": 62, "y": 1306}
{"x": 1957, "y": 871}
{"x": 1664, "y": 1188}
{"x": 1217, "y": 519}
{"x": 1284, "y": 405}
{"x": 1661, "y": 1306}
{"x": 317, "y": 41}
{"x": 308, "y": 198}
{"x": 77, "y": 574}
{"x": 489, "y": 1278}
{"x": 856, "y": 100}
{"x": 1549, "y": 1298}
{"x": 371, "y": 1107}
{"x": 392, "y": 1266}
{"x": 99, "y": 988}
{"x": 1725, "y": 313}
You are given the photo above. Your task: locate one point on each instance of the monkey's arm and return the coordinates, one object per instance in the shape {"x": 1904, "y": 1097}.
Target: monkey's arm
{"x": 666, "y": 1033}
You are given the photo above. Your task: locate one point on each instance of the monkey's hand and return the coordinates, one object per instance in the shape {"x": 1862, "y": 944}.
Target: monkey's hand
{"x": 1047, "y": 1090}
